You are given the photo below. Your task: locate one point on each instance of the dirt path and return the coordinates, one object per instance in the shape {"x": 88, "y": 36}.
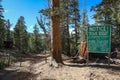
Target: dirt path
{"x": 36, "y": 68}
{"x": 25, "y": 72}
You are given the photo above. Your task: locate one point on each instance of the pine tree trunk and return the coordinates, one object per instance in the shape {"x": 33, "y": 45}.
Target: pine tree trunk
{"x": 55, "y": 31}
{"x": 68, "y": 37}
{"x": 76, "y": 30}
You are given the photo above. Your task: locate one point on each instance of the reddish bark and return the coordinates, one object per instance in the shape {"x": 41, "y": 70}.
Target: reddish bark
{"x": 83, "y": 49}
{"x": 55, "y": 31}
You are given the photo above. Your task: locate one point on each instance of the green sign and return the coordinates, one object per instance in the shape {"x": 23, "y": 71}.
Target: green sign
{"x": 99, "y": 39}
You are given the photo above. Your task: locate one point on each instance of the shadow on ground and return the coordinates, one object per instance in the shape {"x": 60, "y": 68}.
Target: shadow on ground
{"x": 104, "y": 66}
{"x": 111, "y": 67}
{"x": 15, "y": 75}
{"x": 34, "y": 59}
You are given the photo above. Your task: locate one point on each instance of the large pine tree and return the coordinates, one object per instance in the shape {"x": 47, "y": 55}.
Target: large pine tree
{"x": 8, "y": 32}
{"x": 70, "y": 19}
{"x": 76, "y": 24}
{"x": 21, "y": 35}
{"x": 55, "y": 30}
{"x": 2, "y": 26}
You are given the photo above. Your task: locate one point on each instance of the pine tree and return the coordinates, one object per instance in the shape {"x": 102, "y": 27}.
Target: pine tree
{"x": 37, "y": 40}
{"x": 55, "y": 30}
{"x": 2, "y": 26}
{"x": 8, "y": 32}
{"x": 70, "y": 18}
{"x": 21, "y": 35}
{"x": 31, "y": 42}
{"x": 107, "y": 12}
{"x": 76, "y": 19}
{"x": 65, "y": 24}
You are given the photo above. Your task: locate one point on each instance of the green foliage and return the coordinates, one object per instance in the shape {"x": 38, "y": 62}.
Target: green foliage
{"x": 30, "y": 42}
{"x": 2, "y": 32}
{"x": 2, "y": 26}
{"x": 69, "y": 14}
{"x": 8, "y": 32}
{"x": 21, "y": 35}
{"x": 36, "y": 39}
{"x": 45, "y": 12}
{"x": 44, "y": 24}
{"x": 6, "y": 61}
{"x": 107, "y": 12}
{"x": 71, "y": 19}
{"x": 65, "y": 25}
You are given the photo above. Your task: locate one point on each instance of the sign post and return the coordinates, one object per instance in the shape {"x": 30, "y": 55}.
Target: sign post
{"x": 99, "y": 39}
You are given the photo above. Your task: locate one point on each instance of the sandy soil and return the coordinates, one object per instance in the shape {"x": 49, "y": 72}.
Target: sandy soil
{"x": 37, "y": 69}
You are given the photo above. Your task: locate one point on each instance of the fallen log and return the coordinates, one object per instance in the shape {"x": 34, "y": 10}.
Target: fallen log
{"x": 113, "y": 61}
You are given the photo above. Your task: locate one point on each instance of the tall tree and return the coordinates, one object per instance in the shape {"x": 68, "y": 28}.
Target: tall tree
{"x": 107, "y": 12}
{"x": 55, "y": 30}
{"x": 69, "y": 16}
{"x": 76, "y": 23}
{"x": 2, "y": 26}
{"x": 20, "y": 35}
{"x": 70, "y": 19}
{"x": 37, "y": 40}
{"x": 65, "y": 22}
{"x": 8, "y": 32}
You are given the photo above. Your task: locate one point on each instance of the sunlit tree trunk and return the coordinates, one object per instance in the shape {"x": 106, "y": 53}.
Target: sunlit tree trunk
{"x": 55, "y": 32}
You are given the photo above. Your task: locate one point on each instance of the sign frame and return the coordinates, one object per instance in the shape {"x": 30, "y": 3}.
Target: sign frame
{"x": 87, "y": 52}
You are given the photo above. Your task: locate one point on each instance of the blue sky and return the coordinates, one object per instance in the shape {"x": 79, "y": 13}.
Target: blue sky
{"x": 29, "y": 9}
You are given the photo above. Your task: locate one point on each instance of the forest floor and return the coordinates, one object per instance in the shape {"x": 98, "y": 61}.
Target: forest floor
{"x": 36, "y": 68}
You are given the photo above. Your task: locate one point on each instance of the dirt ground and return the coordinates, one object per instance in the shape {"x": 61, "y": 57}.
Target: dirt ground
{"x": 35, "y": 68}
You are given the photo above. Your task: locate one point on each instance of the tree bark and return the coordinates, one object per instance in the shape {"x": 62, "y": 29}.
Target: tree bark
{"x": 55, "y": 32}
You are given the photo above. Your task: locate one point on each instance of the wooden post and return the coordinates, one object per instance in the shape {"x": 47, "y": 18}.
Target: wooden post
{"x": 87, "y": 58}
{"x": 109, "y": 59}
